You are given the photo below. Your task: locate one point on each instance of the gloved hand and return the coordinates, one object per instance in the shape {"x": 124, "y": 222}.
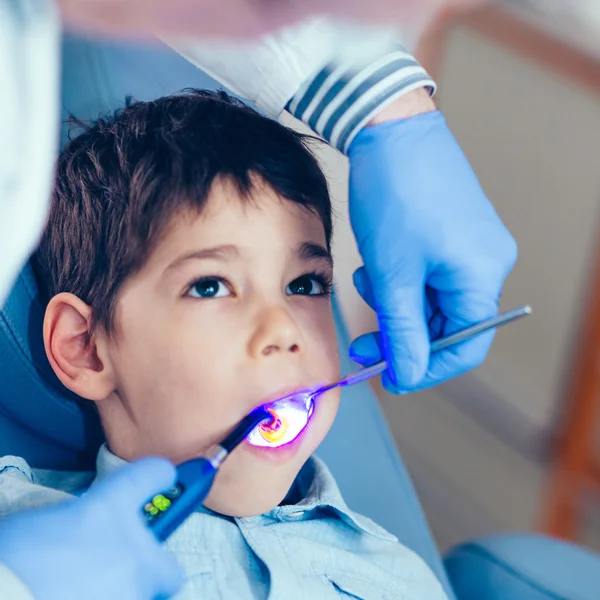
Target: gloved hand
{"x": 435, "y": 252}
{"x": 96, "y": 547}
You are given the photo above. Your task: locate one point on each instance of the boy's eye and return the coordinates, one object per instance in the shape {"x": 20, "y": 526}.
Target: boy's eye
{"x": 307, "y": 285}
{"x": 211, "y": 287}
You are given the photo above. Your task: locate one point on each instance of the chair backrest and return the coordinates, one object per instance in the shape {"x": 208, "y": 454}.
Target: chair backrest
{"x": 51, "y": 428}
{"x": 40, "y": 419}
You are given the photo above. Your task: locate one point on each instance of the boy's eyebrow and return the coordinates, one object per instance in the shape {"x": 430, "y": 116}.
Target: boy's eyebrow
{"x": 224, "y": 252}
{"x": 310, "y": 250}
{"x": 306, "y": 251}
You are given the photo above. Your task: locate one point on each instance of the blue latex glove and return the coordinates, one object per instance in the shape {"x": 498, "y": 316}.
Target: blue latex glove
{"x": 435, "y": 252}
{"x": 96, "y": 547}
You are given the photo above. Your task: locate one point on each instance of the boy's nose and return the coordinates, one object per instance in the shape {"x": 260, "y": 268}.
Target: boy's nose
{"x": 275, "y": 332}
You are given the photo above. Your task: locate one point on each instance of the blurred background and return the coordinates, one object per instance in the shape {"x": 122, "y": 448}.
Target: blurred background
{"x": 512, "y": 446}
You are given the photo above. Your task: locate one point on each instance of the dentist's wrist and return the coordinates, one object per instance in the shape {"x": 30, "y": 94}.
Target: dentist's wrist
{"x": 411, "y": 104}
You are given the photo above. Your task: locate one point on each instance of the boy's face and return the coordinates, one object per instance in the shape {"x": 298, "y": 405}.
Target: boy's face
{"x": 228, "y": 313}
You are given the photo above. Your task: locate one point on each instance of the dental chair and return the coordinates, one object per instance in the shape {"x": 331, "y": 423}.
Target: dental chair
{"x": 51, "y": 428}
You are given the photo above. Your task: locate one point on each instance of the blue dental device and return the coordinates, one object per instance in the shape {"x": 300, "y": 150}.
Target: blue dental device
{"x": 165, "y": 512}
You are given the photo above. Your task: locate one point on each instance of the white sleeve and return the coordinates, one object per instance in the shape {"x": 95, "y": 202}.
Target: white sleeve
{"x": 269, "y": 71}
{"x": 29, "y": 105}
{"x": 332, "y": 77}
{"x": 11, "y": 586}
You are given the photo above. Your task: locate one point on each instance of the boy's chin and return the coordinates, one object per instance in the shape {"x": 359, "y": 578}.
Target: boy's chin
{"x": 246, "y": 503}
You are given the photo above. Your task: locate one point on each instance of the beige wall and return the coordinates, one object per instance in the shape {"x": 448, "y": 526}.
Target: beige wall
{"x": 535, "y": 144}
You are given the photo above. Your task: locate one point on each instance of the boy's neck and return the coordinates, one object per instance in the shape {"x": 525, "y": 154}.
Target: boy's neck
{"x": 293, "y": 496}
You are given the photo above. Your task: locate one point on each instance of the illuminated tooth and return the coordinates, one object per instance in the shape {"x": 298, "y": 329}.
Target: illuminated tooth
{"x": 275, "y": 430}
{"x": 292, "y": 412}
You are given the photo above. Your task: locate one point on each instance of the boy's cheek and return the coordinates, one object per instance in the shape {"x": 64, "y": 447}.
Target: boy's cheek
{"x": 323, "y": 345}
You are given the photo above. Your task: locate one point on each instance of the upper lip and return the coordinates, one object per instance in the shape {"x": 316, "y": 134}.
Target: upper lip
{"x": 282, "y": 392}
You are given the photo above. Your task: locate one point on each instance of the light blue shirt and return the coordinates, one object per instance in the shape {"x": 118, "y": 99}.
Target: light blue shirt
{"x": 316, "y": 548}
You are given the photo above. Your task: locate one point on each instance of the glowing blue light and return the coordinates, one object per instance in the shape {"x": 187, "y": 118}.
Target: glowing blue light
{"x": 294, "y": 411}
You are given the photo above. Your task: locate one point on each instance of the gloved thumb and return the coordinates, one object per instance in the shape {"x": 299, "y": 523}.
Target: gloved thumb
{"x": 363, "y": 287}
{"x": 366, "y": 349}
{"x": 404, "y": 334}
{"x": 403, "y": 338}
{"x": 407, "y": 347}
{"x": 131, "y": 485}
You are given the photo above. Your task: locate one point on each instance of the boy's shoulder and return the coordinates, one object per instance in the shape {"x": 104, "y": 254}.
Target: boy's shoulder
{"x": 368, "y": 561}
{"x": 22, "y": 487}
{"x": 322, "y": 489}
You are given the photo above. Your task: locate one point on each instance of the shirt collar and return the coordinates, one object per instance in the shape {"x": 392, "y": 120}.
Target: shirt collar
{"x": 106, "y": 462}
{"x": 314, "y": 486}
{"x": 317, "y": 489}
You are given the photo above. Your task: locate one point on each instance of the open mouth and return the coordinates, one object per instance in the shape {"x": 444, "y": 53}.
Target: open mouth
{"x": 290, "y": 416}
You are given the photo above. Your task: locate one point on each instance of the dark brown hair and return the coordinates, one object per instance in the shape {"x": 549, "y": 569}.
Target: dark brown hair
{"x": 120, "y": 182}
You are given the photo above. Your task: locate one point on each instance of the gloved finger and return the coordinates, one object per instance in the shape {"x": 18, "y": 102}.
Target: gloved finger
{"x": 404, "y": 335}
{"x": 448, "y": 364}
{"x": 366, "y": 349}
{"x": 459, "y": 359}
{"x": 363, "y": 286}
{"x": 168, "y": 574}
{"x": 130, "y": 486}
{"x": 369, "y": 351}
{"x": 460, "y": 310}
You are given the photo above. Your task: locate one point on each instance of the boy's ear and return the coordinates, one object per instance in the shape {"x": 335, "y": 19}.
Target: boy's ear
{"x": 79, "y": 359}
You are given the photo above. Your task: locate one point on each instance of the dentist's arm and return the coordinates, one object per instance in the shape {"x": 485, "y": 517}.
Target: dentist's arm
{"x": 96, "y": 547}
{"x": 430, "y": 239}
{"x": 237, "y": 17}
{"x": 29, "y": 105}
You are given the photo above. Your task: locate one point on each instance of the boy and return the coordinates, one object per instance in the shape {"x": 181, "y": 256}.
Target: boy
{"x": 188, "y": 269}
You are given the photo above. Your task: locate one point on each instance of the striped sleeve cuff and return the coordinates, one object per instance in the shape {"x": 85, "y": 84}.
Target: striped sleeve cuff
{"x": 339, "y": 99}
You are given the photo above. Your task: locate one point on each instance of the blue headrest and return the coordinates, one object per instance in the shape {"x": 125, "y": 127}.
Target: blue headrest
{"x": 40, "y": 419}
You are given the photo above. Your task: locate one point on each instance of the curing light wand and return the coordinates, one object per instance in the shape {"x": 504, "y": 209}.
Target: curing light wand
{"x": 165, "y": 512}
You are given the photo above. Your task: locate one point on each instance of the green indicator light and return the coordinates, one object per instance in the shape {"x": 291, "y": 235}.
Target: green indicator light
{"x": 153, "y": 510}
{"x": 161, "y": 502}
